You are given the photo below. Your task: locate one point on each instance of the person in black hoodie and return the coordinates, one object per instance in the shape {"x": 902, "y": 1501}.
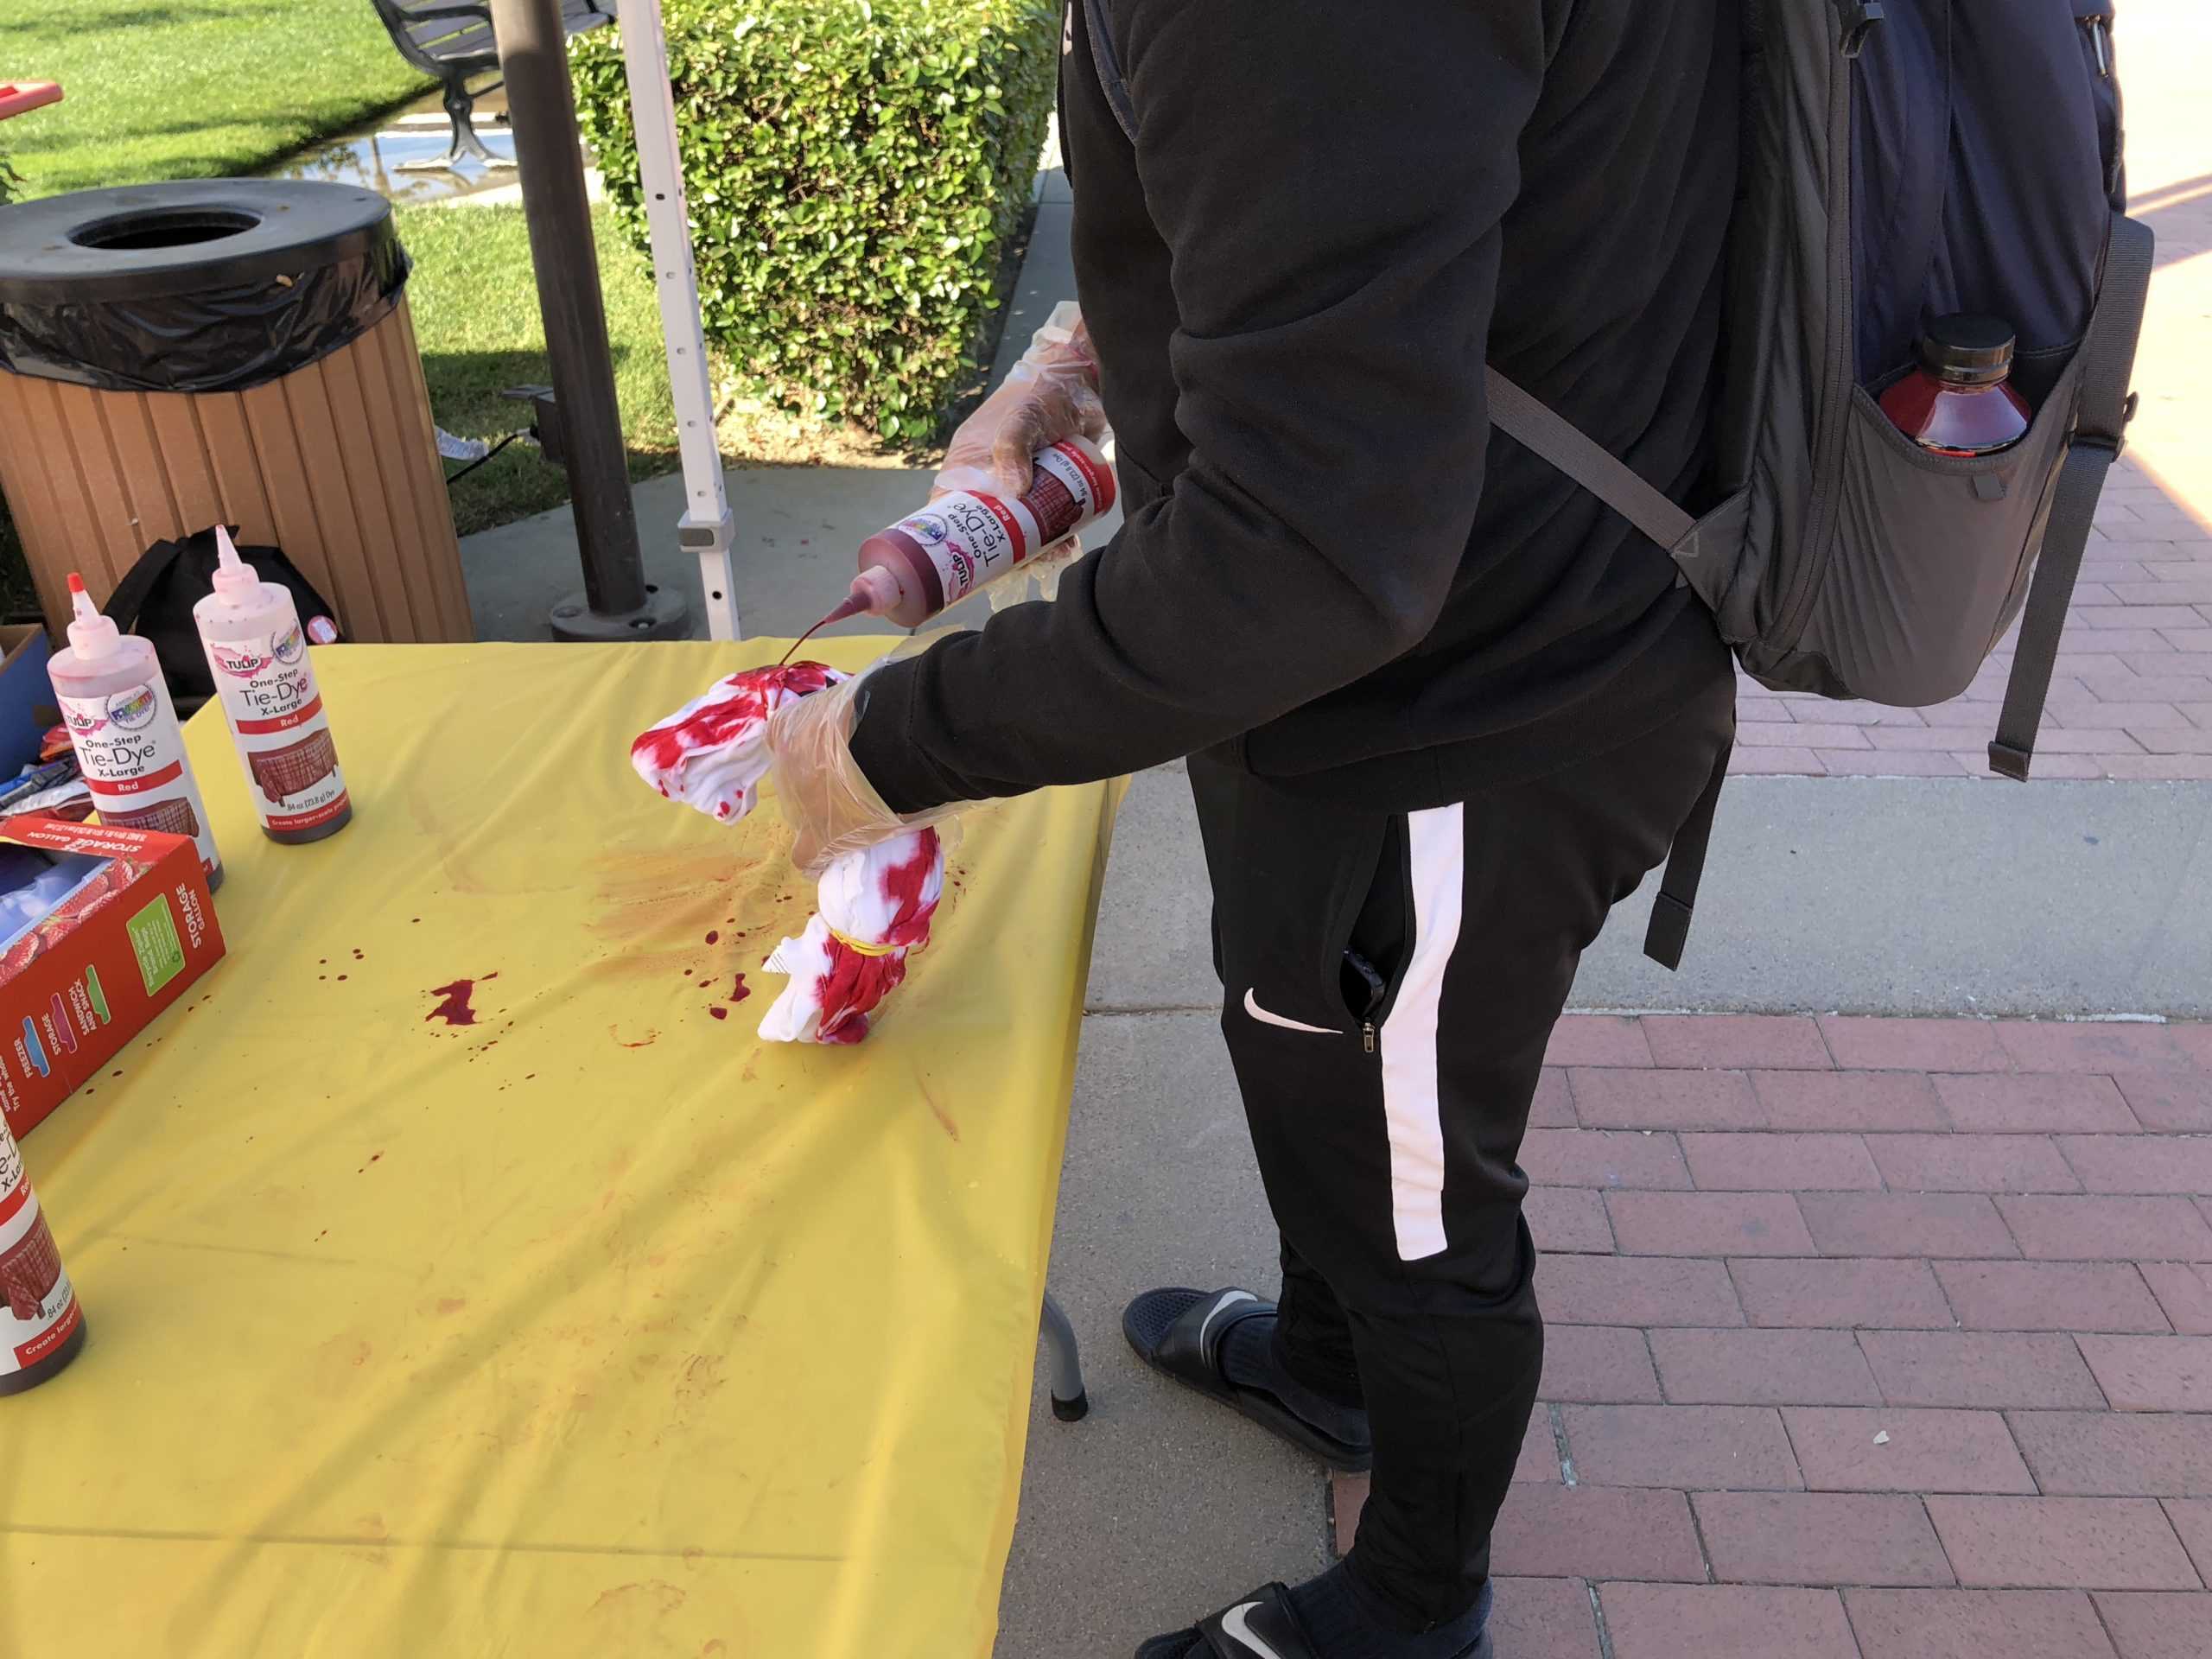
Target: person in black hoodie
{"x": 1441, "y": 708}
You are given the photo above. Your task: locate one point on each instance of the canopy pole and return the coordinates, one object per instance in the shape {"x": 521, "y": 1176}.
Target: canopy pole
{"x": 706, "y": 527}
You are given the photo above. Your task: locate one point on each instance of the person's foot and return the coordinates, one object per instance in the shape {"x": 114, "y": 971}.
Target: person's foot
{"x": 1221, "y": 1343}
{"x": 1325, "y": 1617}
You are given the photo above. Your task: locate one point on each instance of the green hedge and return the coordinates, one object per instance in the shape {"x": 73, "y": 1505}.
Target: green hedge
{"x": 856, "y": 171}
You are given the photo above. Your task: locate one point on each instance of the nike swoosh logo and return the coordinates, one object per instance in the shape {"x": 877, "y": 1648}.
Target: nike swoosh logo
{"x": 1237, "y": 1622}
{"x": 1216, "y": 1310}
{"x": 1252, "y": 1007}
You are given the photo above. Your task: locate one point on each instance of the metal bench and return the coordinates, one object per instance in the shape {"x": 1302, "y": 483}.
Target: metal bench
{"x": 452, "y": 40}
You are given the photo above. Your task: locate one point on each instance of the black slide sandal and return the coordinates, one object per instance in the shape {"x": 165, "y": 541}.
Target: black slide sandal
{"x": 1260, "y": 1626}
{"x": 1263, "y": 1625}
{"x": 1178, "y": 1334}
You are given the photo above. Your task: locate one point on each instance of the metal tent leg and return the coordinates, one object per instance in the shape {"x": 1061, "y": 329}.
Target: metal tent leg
{"x": 1069, "y": 1403}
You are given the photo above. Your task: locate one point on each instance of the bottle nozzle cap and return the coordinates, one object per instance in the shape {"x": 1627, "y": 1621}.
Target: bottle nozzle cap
{"x": 90, "y": 634}
{"x": 235, "y": 581}
{"x": 875, "y": 590}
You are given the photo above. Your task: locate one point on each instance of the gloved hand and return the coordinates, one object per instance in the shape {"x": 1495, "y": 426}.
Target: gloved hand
{"x": 1050, "y": 394}
{"x": 831, "y": 806}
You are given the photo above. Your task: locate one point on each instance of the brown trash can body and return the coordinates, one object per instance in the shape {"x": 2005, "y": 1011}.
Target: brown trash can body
{"x": 335, "y": 460}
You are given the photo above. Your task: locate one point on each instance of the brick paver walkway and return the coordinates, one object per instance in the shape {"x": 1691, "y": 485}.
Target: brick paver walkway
{"x": 1870, "y": 1338}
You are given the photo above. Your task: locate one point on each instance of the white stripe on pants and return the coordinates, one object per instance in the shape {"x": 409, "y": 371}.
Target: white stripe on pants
{"x": 1436, "y": 849}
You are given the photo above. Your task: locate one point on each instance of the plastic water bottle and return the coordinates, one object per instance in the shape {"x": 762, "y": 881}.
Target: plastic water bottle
{"x": 1959, "y": 401}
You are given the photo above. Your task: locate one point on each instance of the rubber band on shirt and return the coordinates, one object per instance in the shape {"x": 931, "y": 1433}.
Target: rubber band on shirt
{"x": 860, "y": 947}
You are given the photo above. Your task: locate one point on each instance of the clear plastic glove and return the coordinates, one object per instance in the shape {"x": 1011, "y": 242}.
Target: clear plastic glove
{"x": 1045, "y": 570}
{"x": 831, "y": 806}
{"x": 1050, "y": 394}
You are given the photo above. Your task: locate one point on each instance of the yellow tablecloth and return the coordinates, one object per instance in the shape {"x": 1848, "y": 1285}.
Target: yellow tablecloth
{"x": 598, "y": 1326}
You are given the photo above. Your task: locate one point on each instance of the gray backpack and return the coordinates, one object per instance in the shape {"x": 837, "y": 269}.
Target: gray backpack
{"x": 1903, "y": 161}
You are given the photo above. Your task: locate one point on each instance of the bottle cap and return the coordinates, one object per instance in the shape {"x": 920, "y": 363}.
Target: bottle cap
{"x": 877, "y": 589}
{"x": 235, "y": 582}
{"x": 1969, "y": 350}
{"x": 91, "y": 635}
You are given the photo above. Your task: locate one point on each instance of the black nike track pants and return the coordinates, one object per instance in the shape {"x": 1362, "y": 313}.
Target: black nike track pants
{"x": 1391, "y": 981}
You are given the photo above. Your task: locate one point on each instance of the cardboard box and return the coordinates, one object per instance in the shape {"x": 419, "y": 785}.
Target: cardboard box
{"x": 118, "y": 926}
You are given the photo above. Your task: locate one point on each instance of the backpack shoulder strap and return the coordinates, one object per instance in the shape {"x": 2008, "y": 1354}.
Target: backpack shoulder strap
{"x": 1669, "y": 930}
{"x": 2100, "y": 435}
{"x": 1108, "y": 65}
{"x": 1549, "y": 435}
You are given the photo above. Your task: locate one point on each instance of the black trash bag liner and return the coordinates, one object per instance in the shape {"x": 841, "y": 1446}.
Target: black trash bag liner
{"x": 215, "y": 285}
{"x": 156, "y": 597}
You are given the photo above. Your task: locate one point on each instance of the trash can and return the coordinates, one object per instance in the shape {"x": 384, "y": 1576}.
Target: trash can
{"x": 237, "y": 351}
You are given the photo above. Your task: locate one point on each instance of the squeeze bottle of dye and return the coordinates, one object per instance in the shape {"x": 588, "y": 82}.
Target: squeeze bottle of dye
{"x": 258, "y": 657}
{"x": 117, "y": 706}
{"x": 938, "y": 556}
{"x": 42, "y": 1327}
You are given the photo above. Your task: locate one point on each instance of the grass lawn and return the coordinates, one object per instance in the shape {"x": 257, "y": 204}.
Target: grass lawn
{"x": 476, "y": 320}
{"x": 173, "y": 89}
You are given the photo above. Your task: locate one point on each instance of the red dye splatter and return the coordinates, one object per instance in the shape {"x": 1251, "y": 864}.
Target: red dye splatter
{"x": 357, "y": 956}
{"x": 531, "y": 1078}
{"x": 687, "y": 973}
{"x": 375, "y": 1157}
{"x": 341, "y": 979}
{"x": 719, "y": 1013}
{"x": 714, "y": 937}
{"x": 615, "y": 1033}
{"x": 455, "y": 1010}
{"x": 740, "y": 991}
{"x": 322, "y": 961}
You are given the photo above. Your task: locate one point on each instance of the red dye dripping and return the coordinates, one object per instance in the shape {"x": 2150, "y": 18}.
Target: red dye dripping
{"x": 455, "y": 1010}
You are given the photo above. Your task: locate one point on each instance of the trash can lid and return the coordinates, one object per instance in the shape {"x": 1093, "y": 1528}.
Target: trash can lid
{"x": 149, "y": 241}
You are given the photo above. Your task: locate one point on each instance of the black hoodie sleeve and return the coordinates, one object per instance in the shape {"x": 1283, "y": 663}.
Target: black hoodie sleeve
{"x": 1329, "y": 179}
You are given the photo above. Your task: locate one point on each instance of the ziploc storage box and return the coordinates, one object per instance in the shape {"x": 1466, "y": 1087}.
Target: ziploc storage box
{"x": 101, "y": 928}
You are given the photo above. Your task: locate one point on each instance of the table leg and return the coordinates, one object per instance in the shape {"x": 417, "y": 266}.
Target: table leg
{"x": 1070, "y": 1403}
